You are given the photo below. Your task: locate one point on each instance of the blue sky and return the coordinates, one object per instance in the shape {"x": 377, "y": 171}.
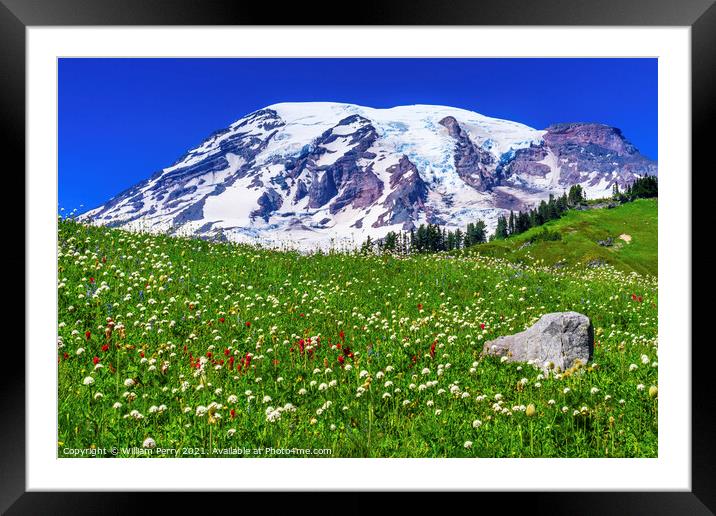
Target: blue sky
{"x": 121, "y": 120}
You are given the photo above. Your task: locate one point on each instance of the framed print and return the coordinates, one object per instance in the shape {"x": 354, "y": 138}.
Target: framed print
{"x": 423, "y": 251}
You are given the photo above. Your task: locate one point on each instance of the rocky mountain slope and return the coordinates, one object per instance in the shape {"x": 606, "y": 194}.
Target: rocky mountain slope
{"x": 328, "y": 174}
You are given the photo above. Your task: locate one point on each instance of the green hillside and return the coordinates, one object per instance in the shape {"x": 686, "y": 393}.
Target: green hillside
{"x": 580, "y": 232}
{"x": 186, "y": 348}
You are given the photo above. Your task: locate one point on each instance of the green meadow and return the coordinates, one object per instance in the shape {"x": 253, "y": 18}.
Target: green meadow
{"x": 184, "y": 347}
{"x": 580, "y": 232}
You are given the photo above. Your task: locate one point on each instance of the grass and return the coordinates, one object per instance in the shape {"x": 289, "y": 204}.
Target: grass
{"x": 153, "y": 329}
{"x": 581, "y": 230}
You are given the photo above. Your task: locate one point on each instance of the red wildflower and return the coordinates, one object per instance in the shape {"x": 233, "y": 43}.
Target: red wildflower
{"x": 232, "y": 413}
{"x": 141, "y": 354}
{"x": 342, "y": 335}
{"x": 208, "y": 354}
{"x": 88, "y": 334}
{"x": 66, "y": 356}
{"x": 226, "y": 352}
{"x": 91, "y": 280}
{"x": 231, "y": 362}
{"x": 105, "y": 348}
{"x": 95, "y": 360}
{"x": 221, "y": 319}
{"x": 248, "y": 324}
{"x": 420, "y": 306}
{"x": 432, "y": 349}
{"x": 482, "y": 326}
{"x": 341, "y": 359}
{"x": 633, "y": 297}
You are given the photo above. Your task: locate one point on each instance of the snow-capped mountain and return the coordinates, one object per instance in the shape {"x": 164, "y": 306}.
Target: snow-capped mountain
{"x": 320, "y": 174}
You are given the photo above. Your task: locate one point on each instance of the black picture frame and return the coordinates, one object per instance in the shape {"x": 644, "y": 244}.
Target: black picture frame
{"x": 16, "y": 15}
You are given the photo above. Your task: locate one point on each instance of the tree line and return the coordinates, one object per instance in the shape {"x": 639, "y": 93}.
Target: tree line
{"x": 548, "y": 210}
{"x": 642, "y": 188}
{"x": 431, "y": 238}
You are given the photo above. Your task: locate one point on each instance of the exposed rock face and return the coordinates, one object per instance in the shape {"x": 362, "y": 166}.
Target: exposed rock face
{"x": 527, "y": 162}
{"x": 609, "y": 138}
{"x": 593, "y": 155}
{"x": 472, "y": 163}
{"x": 328, "y": 171}
{"x": 269, "y": 202}
{"x": 360, "y": 190}
{"x": 559, "y": 339}
{"x": 344, "y": 181}
{"x": 408, "y": 197}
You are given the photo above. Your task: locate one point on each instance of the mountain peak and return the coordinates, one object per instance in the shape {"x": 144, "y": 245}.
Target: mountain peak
{"x": 314, "y": 173}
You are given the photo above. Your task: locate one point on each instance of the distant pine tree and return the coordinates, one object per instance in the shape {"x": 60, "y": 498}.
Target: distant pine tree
{"x": 367, "y": 246}
{"x": 576, "y": 195}
{"x": 616, "y": 194}
{"x": 390, "y": 242}
{"x": 501, "y": 231}
{"x": 458, "y": 239}
{"x": 643, "y": 188}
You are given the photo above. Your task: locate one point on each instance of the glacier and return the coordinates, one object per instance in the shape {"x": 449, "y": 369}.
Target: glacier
{"x": 309, "y": 175}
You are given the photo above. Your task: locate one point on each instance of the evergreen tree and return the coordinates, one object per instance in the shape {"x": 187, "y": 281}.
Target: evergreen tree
{"x": 643, "y": 188}
{"x": 501, "y": 230}
{"x": 389, "y": 244}
{"x": 563, "y": 203}
{"x": 479, "y": 232}
{"x": 616, "y": 194}
{"x": 367, "y": 246}
{"x": 576, "y": 195}
{"x": 459, "y": 237}
{"x": 552, "y": 208}
{"x": 420, "y": 238}
{"x": 450, "y": 240}
{"x": 469, "y": 232}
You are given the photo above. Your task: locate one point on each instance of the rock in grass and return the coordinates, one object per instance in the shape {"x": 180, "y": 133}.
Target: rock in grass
{"x": 557, "y": 341}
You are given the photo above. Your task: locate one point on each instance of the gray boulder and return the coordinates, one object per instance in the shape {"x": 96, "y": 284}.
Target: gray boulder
{"x": 555, "y": 342}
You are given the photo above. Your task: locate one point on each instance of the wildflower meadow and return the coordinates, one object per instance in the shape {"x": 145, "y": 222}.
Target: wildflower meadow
{"x": 182, "y": 347}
